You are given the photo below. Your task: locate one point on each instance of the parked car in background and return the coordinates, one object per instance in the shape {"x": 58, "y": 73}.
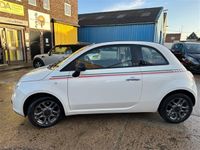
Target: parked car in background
{"x": 114, "y": 77}
{"x": 56, "y": 54}
{"x": 188, "y": 54}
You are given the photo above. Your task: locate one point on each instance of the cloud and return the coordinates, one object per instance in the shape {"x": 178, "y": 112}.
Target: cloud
{"x": 126, "y": 5}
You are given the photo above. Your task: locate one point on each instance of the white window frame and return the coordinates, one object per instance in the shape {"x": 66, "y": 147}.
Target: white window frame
{"x": 70, "y": 11}
{"x": 33, "y": 4}
{"x": 47, "y": 8}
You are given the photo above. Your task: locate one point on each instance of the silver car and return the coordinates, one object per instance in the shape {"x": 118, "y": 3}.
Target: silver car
{"x": 56, "y": 54}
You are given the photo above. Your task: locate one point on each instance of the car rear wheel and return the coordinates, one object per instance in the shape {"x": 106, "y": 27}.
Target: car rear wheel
{"x": 38, "y": 63}
{"x": 45, "y": 112}
{"x": 176, "y": 108}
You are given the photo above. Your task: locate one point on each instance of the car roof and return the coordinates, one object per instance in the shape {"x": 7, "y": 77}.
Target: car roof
{"x": 127, "y": 42}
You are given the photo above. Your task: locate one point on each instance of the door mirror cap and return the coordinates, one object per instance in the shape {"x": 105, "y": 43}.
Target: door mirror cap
{"x": 80, "y": 67}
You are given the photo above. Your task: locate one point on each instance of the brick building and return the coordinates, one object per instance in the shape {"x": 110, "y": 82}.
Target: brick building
{"x": 172, "y": 38}
{"x": 30, "y": 27}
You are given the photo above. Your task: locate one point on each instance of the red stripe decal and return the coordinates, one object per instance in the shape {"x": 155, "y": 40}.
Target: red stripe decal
{"x": 108, "y": 75}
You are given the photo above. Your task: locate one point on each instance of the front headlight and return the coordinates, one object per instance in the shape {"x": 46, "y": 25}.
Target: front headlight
{"x": 193, "y": 60}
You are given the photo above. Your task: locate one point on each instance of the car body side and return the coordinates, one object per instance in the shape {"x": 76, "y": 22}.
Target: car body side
{"x": 156, "y": 84}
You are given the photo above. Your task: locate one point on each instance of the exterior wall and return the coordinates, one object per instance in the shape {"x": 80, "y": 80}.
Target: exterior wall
{"x": 98, "y": 34}
{"x": 56, "y": 10}
{"x": 160, "y": 30}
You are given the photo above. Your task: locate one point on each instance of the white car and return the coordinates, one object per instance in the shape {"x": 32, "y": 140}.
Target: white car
{"x": 114, "y": 77}
{"x": 57, "y": 53}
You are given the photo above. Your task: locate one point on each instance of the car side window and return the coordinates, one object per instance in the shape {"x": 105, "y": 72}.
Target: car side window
{"x": 150, "y": 56}
{"x": 105, "y": 57}
{"x": 61, "y": 50}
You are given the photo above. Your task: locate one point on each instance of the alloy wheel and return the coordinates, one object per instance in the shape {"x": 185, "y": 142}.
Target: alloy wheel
{"x": 46, "y": 113}
{"x": 177, "y": 109}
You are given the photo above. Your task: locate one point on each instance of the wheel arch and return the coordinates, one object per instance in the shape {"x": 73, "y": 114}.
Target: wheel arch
{"x": 181, "y": 91}
{"x": 32, "y": 97}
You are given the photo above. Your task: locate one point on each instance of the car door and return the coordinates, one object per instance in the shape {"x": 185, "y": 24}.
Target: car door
{"x": 112, "y": 81}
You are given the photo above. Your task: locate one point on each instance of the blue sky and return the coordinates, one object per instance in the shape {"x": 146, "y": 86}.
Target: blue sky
{"x": 183, "y": 15}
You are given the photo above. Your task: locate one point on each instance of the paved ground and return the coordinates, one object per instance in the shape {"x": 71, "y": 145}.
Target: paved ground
{"x": 99, "y": 132}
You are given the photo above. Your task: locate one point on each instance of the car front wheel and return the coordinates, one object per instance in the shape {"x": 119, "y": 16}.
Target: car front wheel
{"x": 45, "y": 112}
{"x": 38, "y": 63}
{"x": 176, "y": 108}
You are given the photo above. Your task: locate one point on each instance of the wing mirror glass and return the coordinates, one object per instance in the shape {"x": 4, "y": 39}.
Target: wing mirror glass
{"x": 80, "y": 67}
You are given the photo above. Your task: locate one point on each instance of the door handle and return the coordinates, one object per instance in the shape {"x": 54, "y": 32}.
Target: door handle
{"x": 133, "y": 79}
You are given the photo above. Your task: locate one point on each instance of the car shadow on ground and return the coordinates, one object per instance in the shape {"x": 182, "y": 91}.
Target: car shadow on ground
{"x": 139, "y": 118}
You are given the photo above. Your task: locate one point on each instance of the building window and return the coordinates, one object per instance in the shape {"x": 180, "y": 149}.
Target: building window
{"x": 46, "y": 4}
{"x": 32, "y": 2}
{"x": 68, "y": 11}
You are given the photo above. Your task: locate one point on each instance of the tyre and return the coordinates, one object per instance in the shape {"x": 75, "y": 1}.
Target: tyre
{"x": 45, "y": 112}
{"x": 38, "y": 63}
{"x": 176, "y": 108}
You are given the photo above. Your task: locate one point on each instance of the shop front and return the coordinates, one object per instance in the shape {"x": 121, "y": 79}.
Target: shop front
{"x": 27, "y": 30}
{"x": 12, "y": 45}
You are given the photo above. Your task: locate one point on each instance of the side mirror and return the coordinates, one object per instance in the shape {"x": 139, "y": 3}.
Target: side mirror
{"x": 80, "y": 67}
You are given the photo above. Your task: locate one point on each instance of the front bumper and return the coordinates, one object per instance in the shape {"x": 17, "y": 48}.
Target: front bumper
{"x": 17, "y": 101}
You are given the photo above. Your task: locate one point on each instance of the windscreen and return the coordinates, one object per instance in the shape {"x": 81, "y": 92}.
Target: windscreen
{"x": 193, "y": 48}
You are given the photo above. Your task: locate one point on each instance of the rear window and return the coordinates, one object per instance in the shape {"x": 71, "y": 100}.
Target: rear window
{"x": 150, "y": 56}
